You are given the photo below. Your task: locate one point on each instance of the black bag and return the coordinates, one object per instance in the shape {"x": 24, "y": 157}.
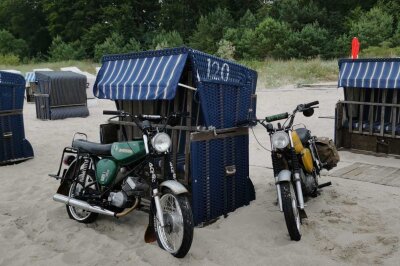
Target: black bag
{"x": 327, "y": 152}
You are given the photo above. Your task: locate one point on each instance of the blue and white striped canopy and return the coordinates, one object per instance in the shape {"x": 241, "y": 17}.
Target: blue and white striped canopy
{"x": 140, "y": 76}
{"x": 30, "y": 77}
{"x": 370, "y": 73}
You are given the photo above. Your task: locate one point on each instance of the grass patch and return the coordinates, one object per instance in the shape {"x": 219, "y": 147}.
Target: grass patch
{"x": 271, "y": 73}
{"x": 88, "y": 66}
{"x": 275, "y": 73}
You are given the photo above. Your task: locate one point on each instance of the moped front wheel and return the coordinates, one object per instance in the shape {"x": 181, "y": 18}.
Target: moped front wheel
{"x": 291, "y": 211}
{"x": 177, "y": 234}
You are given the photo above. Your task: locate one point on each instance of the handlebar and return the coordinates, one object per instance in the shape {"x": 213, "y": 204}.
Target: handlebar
{"x": 308, "y": 105}
{"x": 108, "y": 112}
{"x": 143, "y": 117}
{"x": 276, "y": 117}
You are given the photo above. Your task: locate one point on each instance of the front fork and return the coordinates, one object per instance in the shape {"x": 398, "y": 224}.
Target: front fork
{"x": 297, "y": 179}
{"x": 156, "y": 195}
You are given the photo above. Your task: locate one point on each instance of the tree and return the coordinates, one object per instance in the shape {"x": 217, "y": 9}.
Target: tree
{"x": 210, "y": 30}
{"x": 11, "y": 45}
{"x": 60, "y": 51}
{"x": 167, "y": 40}
{"x": 308, "y": 43}
{"x": 115, "y": 44}
{"x": 25, "y": 20}
{"x": 268, "y": 35}
{"x": 373, "y": 28}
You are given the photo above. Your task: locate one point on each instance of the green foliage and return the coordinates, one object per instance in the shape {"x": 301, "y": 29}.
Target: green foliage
{"x": 374, "y": 27}
{"x": 167, "y": 40}
{"x": 11, "y": 45}
{"x": 210, "y": 30}
{"x": 280, "y": 29}
{"x": 61, "y": 51}
{"x": 25, "y": 20}
{"x": 268, "y": 36}
{"x": 132, "y": 46}
{"x": 9, "y": 59}
{"x": 297, "y": 13}
{"x": 226, "y": 49}
{"x": 308, "y": 43}
{"x": 115, "y": 44}
{"x": 243, "y": 36}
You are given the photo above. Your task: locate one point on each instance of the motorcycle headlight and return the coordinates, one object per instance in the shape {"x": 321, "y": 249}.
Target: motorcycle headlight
{"x": 161, "y": 142}
{"x": 280, "y": 139}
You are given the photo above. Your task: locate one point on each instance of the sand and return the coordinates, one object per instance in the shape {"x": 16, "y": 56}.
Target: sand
{"x": 351, "y": 222}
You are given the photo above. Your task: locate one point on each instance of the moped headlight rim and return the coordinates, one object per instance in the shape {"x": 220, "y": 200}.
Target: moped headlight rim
{"x": 280, "y": 140}
{"x": 161, "y": 142}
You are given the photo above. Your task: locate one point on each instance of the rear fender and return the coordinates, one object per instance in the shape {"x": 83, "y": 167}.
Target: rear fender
{"x": 67, "y": 179}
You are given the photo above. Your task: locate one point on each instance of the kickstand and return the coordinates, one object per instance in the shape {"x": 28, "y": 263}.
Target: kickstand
{"x": 303, "y": 214}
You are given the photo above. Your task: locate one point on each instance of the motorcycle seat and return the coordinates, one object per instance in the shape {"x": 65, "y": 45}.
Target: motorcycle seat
{"x": 92, "y": 147}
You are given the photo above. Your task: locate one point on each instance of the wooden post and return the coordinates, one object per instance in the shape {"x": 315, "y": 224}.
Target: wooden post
{"x": 371, "y": 113}
{"x": 383, "y": 112}
{"x": 338, "y": 127}
{"x": 361, "y": 112}
{"x": 188, "y": 122}
{"x": 394, "y": 113}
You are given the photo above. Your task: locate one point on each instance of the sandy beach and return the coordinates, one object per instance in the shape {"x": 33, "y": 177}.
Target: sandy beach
{"x": 350, "y": 223}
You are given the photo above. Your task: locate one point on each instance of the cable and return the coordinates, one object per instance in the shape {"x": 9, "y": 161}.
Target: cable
{"x": 258, "y": 141}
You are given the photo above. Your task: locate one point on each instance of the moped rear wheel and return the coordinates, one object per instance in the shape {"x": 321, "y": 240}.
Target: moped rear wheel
{"x": 290, "y": 210}
{"x": 75, "y": 188}
{"x": 177, "y": 234}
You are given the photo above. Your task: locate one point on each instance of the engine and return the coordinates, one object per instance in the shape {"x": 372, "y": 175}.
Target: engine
{"x": 310, "y": 185}
{"x": 132, "y": 186}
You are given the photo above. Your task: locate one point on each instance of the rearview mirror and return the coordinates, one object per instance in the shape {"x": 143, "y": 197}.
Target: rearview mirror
{"x": 308, "y": 112}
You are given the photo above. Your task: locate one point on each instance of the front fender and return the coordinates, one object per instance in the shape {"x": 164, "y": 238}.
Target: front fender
{"x": 174, "y": 186}
{"x": 283, "y": 176}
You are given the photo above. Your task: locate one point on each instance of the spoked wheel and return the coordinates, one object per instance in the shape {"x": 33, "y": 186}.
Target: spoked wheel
{"x": 76, "y": 187}
{"x": 291, "y": 211}
{"x": 177, "y": 234}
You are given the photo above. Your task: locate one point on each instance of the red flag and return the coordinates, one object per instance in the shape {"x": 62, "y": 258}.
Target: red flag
{"x": 355, "y": 48}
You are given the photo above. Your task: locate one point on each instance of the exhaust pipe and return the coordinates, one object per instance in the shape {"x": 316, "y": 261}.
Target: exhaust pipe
{"x": 82, "y": 205}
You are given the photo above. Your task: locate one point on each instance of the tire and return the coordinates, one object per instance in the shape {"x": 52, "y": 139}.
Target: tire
{"x": 290, "y": 210}
{"x": 74, "y": 187}
{"x": 182, "y": 214}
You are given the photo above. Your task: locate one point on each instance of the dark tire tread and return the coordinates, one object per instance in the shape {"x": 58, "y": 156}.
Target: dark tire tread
{"x": 188, "y": 224}
{"x": 288, "y": 211}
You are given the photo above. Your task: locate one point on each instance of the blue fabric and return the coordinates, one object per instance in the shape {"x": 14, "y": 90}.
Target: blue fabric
{"x": 370, "y": 73}
{"x": 140, "y": 78}
{"x": 30, "y": 77}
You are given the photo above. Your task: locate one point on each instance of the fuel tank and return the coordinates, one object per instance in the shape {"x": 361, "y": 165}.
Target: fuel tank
{"x": 128, "y": 152}
{"x": 305, "y": 153}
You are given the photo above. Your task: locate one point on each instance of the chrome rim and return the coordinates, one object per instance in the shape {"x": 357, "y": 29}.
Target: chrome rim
{"x": 171, "y": 235}
{"x": 75, "y": 189}
{"x": 295, "y": 208}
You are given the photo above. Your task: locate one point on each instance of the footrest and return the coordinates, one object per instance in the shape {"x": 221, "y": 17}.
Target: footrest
{"x": 55, "y": 176}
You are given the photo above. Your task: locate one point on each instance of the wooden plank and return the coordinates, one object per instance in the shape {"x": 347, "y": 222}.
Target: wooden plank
{"x": 356, "y": 172}
{"x": 344, "y": 170}
{"x": 372, "y": 104}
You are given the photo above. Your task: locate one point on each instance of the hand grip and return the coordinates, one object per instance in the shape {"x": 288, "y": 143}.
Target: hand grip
{"x": 307, "y": 105}
{"x": 277, "y": 117}
{"x": 108, "y": 112}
